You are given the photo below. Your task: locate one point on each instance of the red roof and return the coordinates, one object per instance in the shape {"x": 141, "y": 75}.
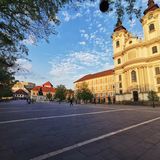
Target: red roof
{"x": 96, "y": 75}
{"x": 47, "y": 84}
{"x": 44, "y": 89}
{"x": 20, "y": 91}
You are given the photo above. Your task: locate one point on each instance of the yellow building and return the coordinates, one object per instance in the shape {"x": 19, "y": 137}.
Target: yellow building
{"x": 101, "y": 84}
{"x": 137, "y": 61}
{"x": 26, "y": 86}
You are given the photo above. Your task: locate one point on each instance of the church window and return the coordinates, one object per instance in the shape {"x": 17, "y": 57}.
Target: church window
{"x": 151, "y": 27}
{"x": 117, "y": 44}
{"x": 120, "y": 77}
{"x": 158, "y": 80}
{"x": 154, "y": 49}
{"x": 119, "y": 61}
{"x": 133, "y": 76}
{"x": 120, "y": 91}
{"x": 120, "y": 85}
{"x": 157, "y": 70}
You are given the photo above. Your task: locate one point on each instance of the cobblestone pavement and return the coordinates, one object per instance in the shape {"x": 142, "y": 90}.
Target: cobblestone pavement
{"x": 55, "y": 131}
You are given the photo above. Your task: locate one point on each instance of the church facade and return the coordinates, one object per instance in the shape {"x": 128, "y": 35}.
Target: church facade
{"x": 137, "y": 61}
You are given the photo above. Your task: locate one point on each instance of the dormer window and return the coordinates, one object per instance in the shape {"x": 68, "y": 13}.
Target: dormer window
{"x": 117, "y": 44}
{"x": 154, "y": 49}
{"x": 119, "y": 61}
{"x": 151, "y": 27}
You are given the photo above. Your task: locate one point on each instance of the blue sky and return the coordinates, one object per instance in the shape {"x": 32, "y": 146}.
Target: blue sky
{"x": 83, "y": 45}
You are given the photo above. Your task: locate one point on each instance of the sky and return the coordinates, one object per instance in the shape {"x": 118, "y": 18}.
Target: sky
{"x": 82, "y": 46}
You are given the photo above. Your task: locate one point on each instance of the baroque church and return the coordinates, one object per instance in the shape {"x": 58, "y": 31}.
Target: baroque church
{"x": 136, "y": 62}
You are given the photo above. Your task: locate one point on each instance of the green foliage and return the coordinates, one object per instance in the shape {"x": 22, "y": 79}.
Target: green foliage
{"x": 129, "y": 8}
{"x": 5, "y": 91}
{"x": 152, "y": 96}
{"x": 21, "y": 19}
{"x": 60, "y": 92}
{"x": 6, "y": 78}
{"x": 84, "y": 93}
{"x": 49, "y": 96}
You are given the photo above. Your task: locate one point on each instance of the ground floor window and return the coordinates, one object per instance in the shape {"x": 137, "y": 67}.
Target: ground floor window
{"x": 158, "y": 80}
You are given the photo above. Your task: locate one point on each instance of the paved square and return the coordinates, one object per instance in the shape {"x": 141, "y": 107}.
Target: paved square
{"x": 55, "y": 131}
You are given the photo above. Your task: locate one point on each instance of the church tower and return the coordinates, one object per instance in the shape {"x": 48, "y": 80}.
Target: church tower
{"x": 151, "y": 21}
{"x": 119, "y": 38}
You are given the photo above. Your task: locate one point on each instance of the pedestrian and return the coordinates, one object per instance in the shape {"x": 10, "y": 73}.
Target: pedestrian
{"x": 109, "y": 100}
{"x": 95, "y": 101}
{"x": 71, "y": 102}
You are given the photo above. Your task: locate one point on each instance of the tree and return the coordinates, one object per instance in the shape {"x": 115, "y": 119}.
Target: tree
{"x": 84, "y": 93}
{"x": 49, "y": 96}
{"x": 7, "y": 79}
{"x": 130, "y": 7}
{"x": 69, "y": 94}
{"x": 152, "y": 96}
{"x": 60, "y": 93}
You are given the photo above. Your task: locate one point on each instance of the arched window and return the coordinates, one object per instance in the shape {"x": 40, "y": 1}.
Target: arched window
{"x": 119, "y": 61}
{"x": 117, "y": 44}
{"x": 151, "y": 27}
{"x": 133, "y": 76}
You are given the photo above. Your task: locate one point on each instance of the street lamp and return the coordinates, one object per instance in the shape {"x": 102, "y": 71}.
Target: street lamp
{"x": 104, "y": 5}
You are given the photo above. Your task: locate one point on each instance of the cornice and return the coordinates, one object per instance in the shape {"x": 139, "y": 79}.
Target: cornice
{"x": 139, "y": 60}
{"x": 134, "y": 46}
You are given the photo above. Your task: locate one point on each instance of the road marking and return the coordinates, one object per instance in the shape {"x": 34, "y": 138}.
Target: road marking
{"x": 61, "y": 116}
{"x": 34, "y": 110}
{"x": 54, "y": 153}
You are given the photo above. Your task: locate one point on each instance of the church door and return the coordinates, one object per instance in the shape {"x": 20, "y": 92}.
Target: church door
{"x": 135, "y": 96}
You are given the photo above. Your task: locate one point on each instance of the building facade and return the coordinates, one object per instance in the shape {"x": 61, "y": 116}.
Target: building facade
{"x": 22, "y": 89}
{"x": 20, "y": 94}
{"x": 101, "y": 84}
{"x": 40, "y": 92}
{"x": 136, "y": 61}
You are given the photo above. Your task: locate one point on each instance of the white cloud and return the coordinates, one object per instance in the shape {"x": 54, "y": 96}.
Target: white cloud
{"x": 24, "y": 64}
{"x": 30, "y": 41}
{"x": 82, "y": 43}
{"x": 68, "y": 69}
{"x": 132, "y": 23}
{"x": 67, "y": 17}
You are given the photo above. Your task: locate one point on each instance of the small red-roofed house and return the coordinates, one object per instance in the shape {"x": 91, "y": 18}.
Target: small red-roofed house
{"x": 43, "y": 90}
{"x": 21, "y": 94}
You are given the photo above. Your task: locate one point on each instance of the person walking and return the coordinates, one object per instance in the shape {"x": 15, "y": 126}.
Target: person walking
{"x": 71, "y": 102}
